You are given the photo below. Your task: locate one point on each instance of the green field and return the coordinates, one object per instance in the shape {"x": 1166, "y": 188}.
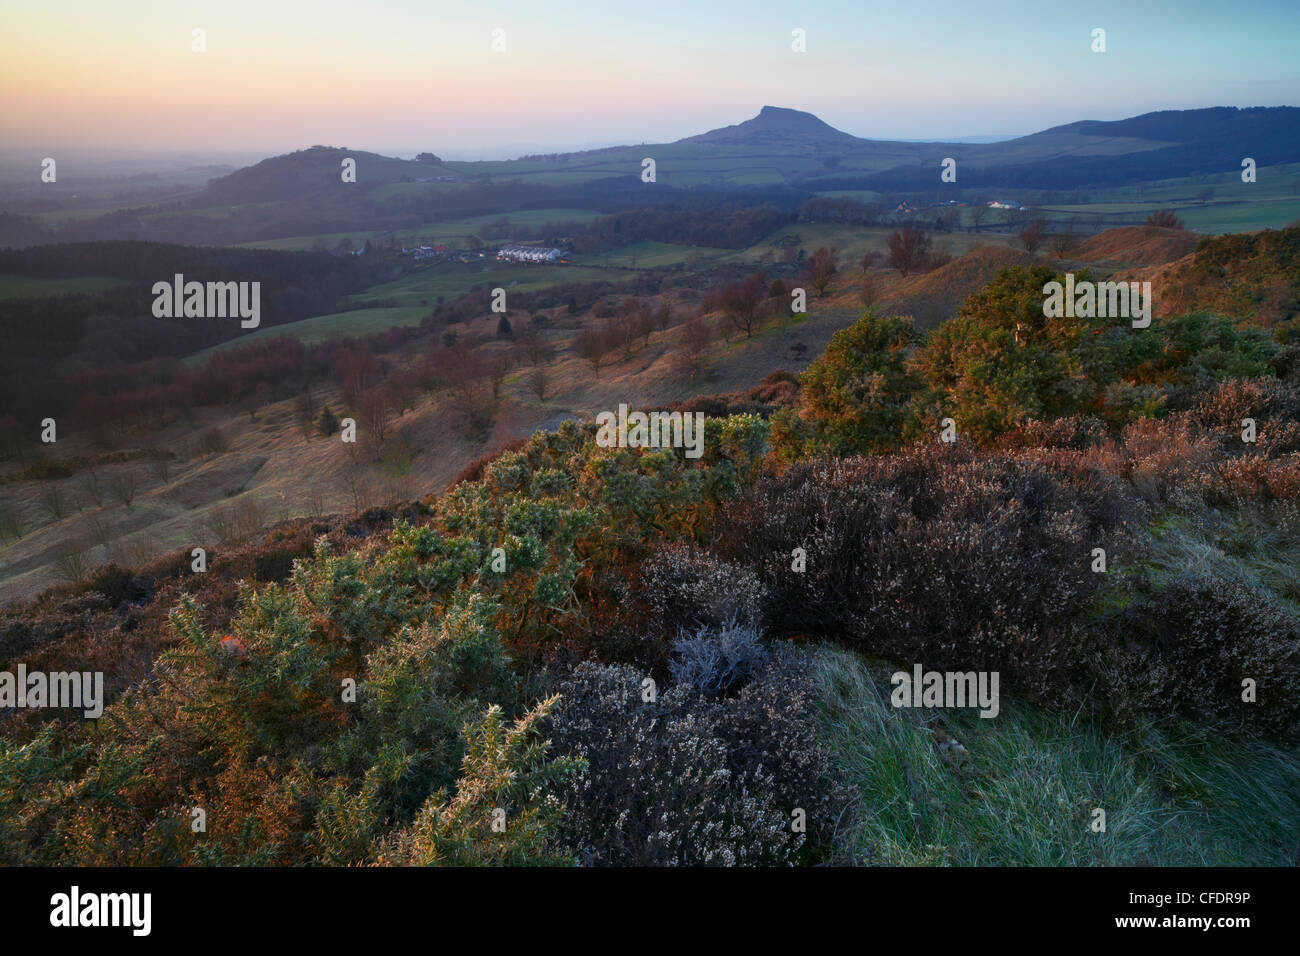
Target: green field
{"x": 413, "y": 190}
{"x": 656, "y": 255}
{"x": 452, "y": 279}
{"x": 18, "y": 287}
{"x": 307, "y": 243}
{"x": 416, "y": 295}
{"x": 1214, "y": 217}
{"x": 321, "y": 328}
{"x": 1271, "y": 202}
{"x": 850, "y": 242}
{"x": 861, "y": 195}
{"x": 532, "y": 218}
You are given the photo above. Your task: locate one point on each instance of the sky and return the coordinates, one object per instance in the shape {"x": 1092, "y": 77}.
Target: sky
{"x": 397, "y": 76}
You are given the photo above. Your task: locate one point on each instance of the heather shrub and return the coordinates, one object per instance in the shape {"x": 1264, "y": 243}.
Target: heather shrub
{"x": 1185, "y": 650}
{"x": 692, "y": 779}
{"x": 1267, "y": 400}
{"x": 1163, "y": 455}
{"x": 1282, "y": 479}
{"x": 120, "y": 585}
{"x": 212, "y": 441}
{"x": 1242, "y": 477}
{"x": 690, "y": 588}
{"x": 1286, "y": 363}
{"x": 718, "y": 660}
{"x": 936, "y": 556}
{"x": 1073, "y": 431}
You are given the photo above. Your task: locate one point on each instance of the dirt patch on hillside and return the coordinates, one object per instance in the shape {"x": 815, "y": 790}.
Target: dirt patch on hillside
{"x": 1132, "y": 246}
{"x": 935, "y": 296}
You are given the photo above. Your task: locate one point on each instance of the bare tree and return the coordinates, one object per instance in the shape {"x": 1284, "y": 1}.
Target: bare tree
{"x": 622, "y": 330}
{"x": 376, "y": 414}
{"x": 304, "y": 410}
{"x": 742, "y": 303}
{"x": 91, "y": 485}
{"x": 821, "y": 269}
{"x": 162, "y": 467}
{"x": 53, "y": 500}
{"x": 539, "y": 382}
{"x": 530, "y": 343}
{"x": 1165, "y": 219}
{"x": 696, "y": 337}
{"x": 72, "y": 562}
{"x": 497, "y": 374}
{"x": 909, "y": 249}
{"x": 1032, "y": 236}
{"x": 591, "y": 346}
{"x": 868, "y": 290}
{"x": 644, "y": 322}
{"x": 124, "y": 487}
{"x": 1062, "y": 242}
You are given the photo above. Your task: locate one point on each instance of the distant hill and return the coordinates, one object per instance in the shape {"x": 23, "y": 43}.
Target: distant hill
{"x": 1261, "y": 123}
{"x": 788, "y": 147}
{"x": 1169, "y": 144}
{"x": 312, "y": 171}
{"x": 776, "y": 126}
{"x": 777, "y": 146}
{"x": 779, "y": 156}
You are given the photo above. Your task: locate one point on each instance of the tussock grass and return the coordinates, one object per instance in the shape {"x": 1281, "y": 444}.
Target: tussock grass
{"x": 1024, "y": 790}
{"x": 1256, "y": 544}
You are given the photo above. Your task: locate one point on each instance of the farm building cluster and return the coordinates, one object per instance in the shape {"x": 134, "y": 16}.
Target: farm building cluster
{"x": 516, "y": 253}
{"x": 422, "y": 252}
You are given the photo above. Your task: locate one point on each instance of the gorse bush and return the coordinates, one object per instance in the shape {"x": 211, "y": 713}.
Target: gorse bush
{"x": 855, "y": 396}
{"x": 337, "y": 705}
{"x": 1000, "y": 364}
{"x": 499, "y": 815}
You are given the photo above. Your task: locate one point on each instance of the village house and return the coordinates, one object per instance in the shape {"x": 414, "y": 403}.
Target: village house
{"x": 517, "y": 253}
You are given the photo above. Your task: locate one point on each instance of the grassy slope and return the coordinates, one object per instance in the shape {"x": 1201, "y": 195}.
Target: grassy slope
{"x": 415, "y": 296}
{"x": 302, "y": 476}
{"x": 1024, "y": 790}
{"x": 310, "y": 475}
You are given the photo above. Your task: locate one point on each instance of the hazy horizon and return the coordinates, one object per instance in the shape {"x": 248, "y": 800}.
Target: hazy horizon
{"x": 200, "y": 155}
{"x": 271, "y": 80}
